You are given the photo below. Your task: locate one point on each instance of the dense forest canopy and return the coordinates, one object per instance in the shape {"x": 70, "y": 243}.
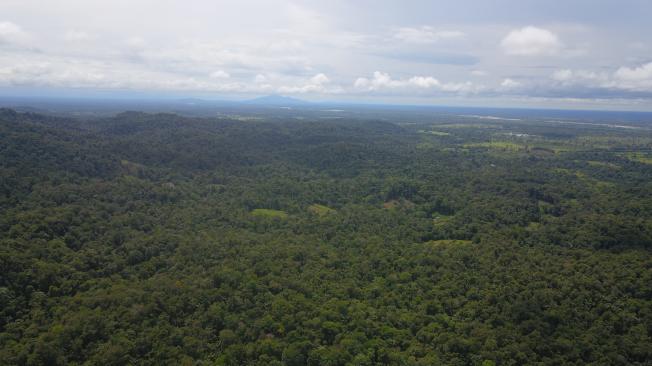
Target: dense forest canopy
{"x": 297, "y": 240}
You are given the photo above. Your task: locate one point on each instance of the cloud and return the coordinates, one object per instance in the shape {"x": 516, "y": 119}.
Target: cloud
{"x": 568, "y": 77}
{"x": 319, "y": 79}
{"x": 563, "y": 75}
{"x": 77, "y": 36}
{"x": 416, "y": 45}
{"x": 510, "y": 84}
{"x": 424, "y": 82}
{"x": 641, "y": 73}
{"x": 379, "y": 80}
{"x": 220, "y": 74}
{"x": 137, "y": 43}
{"x": 424, "y": 34}
{"x": 260, "y": 78}
{"x": 630, "y": 79}
{"x": 316, "y": 84}
{"x": 384, "y": 82}
{"x": 153, "y": 72}
{"x": 312, "y": 47}
{"x": 12, "y": 34}
{"x": 46, "y": 71}
{"x": 636, "y": 79}
{"x": 581, "y": 84}
{"x": 429, "y": 57}
{"x": 203, "y": 57}
{"x": 531, "y": 41}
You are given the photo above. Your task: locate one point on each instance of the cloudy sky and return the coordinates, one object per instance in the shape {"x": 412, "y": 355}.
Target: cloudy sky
{"x": 548, "y": 53}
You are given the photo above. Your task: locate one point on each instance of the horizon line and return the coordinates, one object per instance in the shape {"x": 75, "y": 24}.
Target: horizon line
{"x": 299, "y": 102}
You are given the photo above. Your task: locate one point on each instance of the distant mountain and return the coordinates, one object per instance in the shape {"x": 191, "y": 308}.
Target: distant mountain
{"x": 276, "y": 100}
{"x": 192, "y": 101}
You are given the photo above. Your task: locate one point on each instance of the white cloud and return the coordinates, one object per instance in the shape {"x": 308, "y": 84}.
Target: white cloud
{"x": 77, "y": 36}
{"x": 319, "y": 79}
{"x": 424, "y": 81}
{"x": 383, "y": 81}
{"x": 220, "y": 74}
{"x": 510, "y": 84}
{"x": 635, "y": 79}
{"x": 11, "y": 33}
{"x": 242, "y": 57}
{"x": 466, "y": 87}
{"x": 64, "y": 72}
{"x": 55, "y": 71}
{"x": 425, "y": 34}
{"x": 136, "y": 42}
{"x": 316, "y": 84}
{"x": 479, "y": 73}
{"x": 531, "y": 41}
{"x": 563, "y": 75}
{"x": 260, "y": 78}
{"x": 643, "y": 72}
{"x": 379, "y": 81}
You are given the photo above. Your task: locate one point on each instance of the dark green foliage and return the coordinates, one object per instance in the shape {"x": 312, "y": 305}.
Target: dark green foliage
{"x": 157, "y": 239}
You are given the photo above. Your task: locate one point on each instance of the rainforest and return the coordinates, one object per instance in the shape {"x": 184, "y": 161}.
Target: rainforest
{"x": 324, "y": 238}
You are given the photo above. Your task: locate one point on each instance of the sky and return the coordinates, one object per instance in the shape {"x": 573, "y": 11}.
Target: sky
{"x": 584, "y": 54}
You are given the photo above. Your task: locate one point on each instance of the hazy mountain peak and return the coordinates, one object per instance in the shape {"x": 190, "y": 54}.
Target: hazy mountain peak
{"x": 276, "y": 100}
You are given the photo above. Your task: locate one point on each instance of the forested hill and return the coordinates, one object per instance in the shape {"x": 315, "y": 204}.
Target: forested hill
{"x": 159, "y": 239}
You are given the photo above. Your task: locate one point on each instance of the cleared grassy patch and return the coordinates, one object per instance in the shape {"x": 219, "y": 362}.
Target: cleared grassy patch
{"x": 396, "y": 204}
{"x": 425, "y": 146}
{"x": 449, "y": 242}
{"x": 469, "y": 125}
{"x": 439, "y": 220}
{"x": 603, "y": 164}
{"x": 320, "y": 210}
{"x": 269, "y": 213}
{"x": 498, "y": 145}
{"x": 435, "y": 133}
{"x": 640, "y": 158}
{"x": 131, "y": 168}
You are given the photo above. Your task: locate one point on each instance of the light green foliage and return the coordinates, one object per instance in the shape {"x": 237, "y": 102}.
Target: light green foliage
{"x": 435, "y": 133}
{"x": 268, "y": 213}
{"x": 500, "y": 145}
{"x": 640, "y": 157}
{"x": 449, "y": 242}
{"x": 603, "y": 164}
{"x": 320, "y": 210}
